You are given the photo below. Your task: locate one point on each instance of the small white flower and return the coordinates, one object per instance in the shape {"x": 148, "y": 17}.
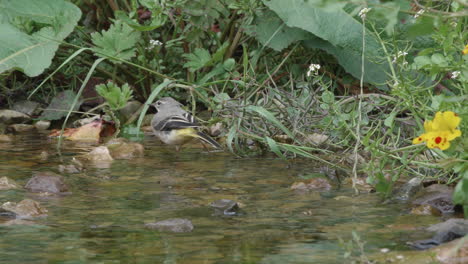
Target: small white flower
{"x": 153, "y": 43}
{"x": 399, "y": 54}
{"x": 364, "y": 12}
{"x": 405, "y": 63}
{"x": 420, "y": 12}
{"x": 453, "y": 24}
{"x": 313, "y": 68}
{"x": 455, "y": 74}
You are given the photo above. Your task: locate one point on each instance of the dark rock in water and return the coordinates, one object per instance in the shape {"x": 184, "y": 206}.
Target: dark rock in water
{"x": 312, "y": 184}
{"x": 13, "y": 117}
{"x": 176, "y": 225}
{"x": 447, "y": 231}
{"x": 46, "y": 182}
{"x": 225, "y": 207}
{"x": 438, "y": 196}
{"x": 407, "y": 190}
{"x": 27, "y": 208}
{"x": 27, "y": 107}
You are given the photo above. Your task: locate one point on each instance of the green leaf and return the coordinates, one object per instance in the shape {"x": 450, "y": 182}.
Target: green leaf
{"x": 60, "y": 105}
{"x": 198, "y": 59}
{"x": 271, "y": 31}
{"x": 115, "y": 96}
{"x": 421, "y": 61}
{"x": 31, "y": 50}
{"x": 117, "y": 43}
{"x": 328, "y": 97}
{"x": 439, "y": 59}
{"x": 338, "y": 33}
{"x": 274, "y": 147}
{"x": 389, "y": 120}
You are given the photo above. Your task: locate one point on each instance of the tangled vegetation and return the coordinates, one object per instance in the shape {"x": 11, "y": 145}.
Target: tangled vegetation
{"x": 291, "y": 77}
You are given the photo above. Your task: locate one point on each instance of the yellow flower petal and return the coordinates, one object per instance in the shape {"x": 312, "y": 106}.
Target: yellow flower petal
{"x": 465, "y": 50}
{"x": 452, "y": 135}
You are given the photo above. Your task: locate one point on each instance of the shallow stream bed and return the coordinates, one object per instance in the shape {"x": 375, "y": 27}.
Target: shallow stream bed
{"x": 102, "y": 220}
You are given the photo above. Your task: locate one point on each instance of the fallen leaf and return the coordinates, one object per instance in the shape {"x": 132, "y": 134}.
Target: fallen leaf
{"x": 89, "y": 132}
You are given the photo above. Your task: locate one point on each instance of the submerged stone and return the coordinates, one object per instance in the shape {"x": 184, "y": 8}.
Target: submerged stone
{"x": 225, "y": 207}
{"x": 99, "y": 154}
{"x": 425, "y": 209}
{"x": 13, "y": 117}
{"x": 121, "y": 149}
{"x": 8, "y": 184}
{"x": 6, "y": 138}
{"x": 19, "y": 128}
{"x": 46, "y": 182}
{"x": 446, "y": 231}
{"x": 71, "y": 168}
{"x": 176, "y": 225}
{"x": 312, "y": 184}
{"x": 27, "y": 208}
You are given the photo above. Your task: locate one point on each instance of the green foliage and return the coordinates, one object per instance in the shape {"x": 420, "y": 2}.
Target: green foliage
{"x": 198, "y": 59}
{"x": 116, "y": 97}
{"x": 31, "y": 31}
{"x": 270, "y": 30}
{"x": 117, "y": 43}
{"x": 336, "y": 32}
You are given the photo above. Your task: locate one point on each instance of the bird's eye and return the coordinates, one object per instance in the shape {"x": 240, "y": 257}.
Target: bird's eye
{"x": 158, "y": 103}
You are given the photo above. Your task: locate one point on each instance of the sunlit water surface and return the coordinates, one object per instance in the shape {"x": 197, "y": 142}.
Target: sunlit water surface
{"x": 102, "y": 221}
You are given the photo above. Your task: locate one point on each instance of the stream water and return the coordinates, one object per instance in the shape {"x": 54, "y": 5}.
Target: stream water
{"x": 102, "y": 220}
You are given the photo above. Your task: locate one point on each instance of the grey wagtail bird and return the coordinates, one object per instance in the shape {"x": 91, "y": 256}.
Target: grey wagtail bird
{"x": 175, "y": 126}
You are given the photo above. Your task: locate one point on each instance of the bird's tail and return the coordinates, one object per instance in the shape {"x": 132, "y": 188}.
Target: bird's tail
{"x": 207, "y": 139}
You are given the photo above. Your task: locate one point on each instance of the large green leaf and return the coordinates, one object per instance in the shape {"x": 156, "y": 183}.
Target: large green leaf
{"x": 31, "y": 31}
{"x": 271, "y": 31}
{"x": 117, "y": 43}
{"x": 336, "y": 32}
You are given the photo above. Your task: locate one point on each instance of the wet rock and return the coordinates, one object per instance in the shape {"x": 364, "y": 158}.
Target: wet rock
{"x": 85, "y": 121}
{"x": 21, "y": 128}
{"x": 438, "y": 196}
{"x": 312, "y": 184}
{"x": 425, "y": 209}
{"x": 71, "y": 168}
{"x": 42, "y": 125}
{"x": 44, "y": 155}
{"x": 6, "y": 138}
{"x": 129, "y": 109}
{"x": 13, "y": 117}
{"x": 407, "y": 190}
{"x": 455, "y": 252}
{"x": 447, "y": 231}
{"x": 8, "y": 184}
{"x": 121, "y": 149}
{"x": 99, "y": 154}
{"x": 360, "y": 183}
{"x": 316, "y": 139}
{"x": 225, "y": 207}
{"x": 25, "y": 209}
{"x": 48, "y": 182}
{"x": 27, "y": 107}
{"x": 176, "y": 225}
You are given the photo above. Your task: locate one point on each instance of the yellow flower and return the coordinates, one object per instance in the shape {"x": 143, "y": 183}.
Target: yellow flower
{"x": 440, "y": 131}
{"x": 465, "y": 50}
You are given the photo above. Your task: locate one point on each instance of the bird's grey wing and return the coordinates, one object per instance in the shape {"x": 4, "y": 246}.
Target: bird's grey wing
{"x": 185, "y": 120}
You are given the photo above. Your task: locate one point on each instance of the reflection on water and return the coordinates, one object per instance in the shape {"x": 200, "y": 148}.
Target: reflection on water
{"x": 102, "y": 221}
